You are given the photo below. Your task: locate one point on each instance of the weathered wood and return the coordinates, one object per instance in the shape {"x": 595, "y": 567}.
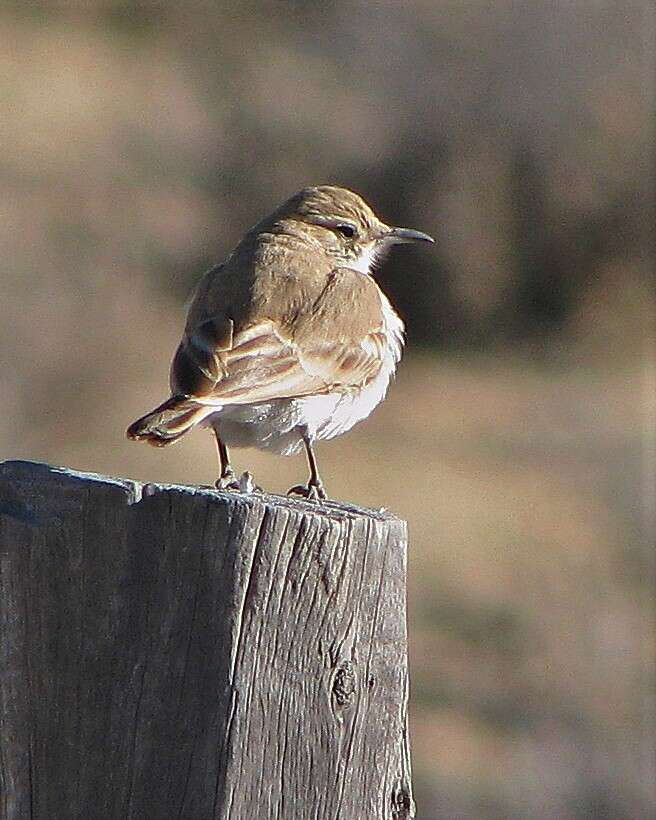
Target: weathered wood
{"x": 175, "y": 652}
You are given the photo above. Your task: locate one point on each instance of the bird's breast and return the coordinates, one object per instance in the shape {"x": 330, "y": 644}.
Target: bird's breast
{"x": 345, "y": 410}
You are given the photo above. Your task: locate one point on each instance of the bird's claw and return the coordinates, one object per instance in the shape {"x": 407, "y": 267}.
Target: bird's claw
{"x": 311, "y": 492}
{"x": 247, "y": 483}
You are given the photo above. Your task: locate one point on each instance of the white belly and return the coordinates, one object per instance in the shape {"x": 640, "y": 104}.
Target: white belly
{"x": 276, "y": 425}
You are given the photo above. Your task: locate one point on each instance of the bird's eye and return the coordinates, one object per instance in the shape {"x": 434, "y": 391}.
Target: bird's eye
{"x": 346, "y": 230}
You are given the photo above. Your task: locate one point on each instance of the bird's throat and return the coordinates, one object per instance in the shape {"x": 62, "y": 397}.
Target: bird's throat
{"x": 366, "y": 260}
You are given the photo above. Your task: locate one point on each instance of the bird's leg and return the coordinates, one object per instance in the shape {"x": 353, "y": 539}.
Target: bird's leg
{"x": 314, "y": 490}
{"x": 315, "y": 484}
{"x": 226, "y": 480}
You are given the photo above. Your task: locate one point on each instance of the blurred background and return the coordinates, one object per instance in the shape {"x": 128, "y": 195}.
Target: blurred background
{"x": 140, "y": 140}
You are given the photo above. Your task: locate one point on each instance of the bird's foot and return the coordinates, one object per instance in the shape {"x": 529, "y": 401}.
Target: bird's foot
{"x": 311, "y": 491}
{"x": 227, "y": 483}
{"x": 244, "y": 484}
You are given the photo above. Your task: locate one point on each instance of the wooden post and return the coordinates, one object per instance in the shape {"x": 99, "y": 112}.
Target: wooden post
{"x": 177, "y": 652}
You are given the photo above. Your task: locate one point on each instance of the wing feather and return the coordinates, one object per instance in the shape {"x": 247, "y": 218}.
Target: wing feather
{"x": 324, "y": 349}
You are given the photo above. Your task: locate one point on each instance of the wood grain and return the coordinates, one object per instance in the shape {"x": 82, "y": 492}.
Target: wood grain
{"x": 177, "y": 652}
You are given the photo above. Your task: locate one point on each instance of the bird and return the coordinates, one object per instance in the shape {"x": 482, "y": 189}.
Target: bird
{"x": 290, "y": 340}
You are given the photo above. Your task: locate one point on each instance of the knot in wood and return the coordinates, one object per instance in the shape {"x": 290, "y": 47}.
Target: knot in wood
{"x": 344, "y": 684}
{"x": 401, "y": 803}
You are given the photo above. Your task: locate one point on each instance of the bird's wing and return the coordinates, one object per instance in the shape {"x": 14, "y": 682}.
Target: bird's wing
{"x": 337, "y": 343}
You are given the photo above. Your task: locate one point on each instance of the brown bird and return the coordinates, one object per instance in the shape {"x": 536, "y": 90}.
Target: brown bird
{"x": 290, "y": 340}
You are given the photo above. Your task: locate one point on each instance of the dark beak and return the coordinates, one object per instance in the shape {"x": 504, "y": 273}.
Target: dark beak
{"x": 407, "y": 235}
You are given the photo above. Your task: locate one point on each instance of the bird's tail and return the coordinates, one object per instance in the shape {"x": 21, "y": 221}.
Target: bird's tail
{"x": 168, "y": 422}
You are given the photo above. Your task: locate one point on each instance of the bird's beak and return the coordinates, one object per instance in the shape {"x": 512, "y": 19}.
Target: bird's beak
{"x": 407, "y": 235}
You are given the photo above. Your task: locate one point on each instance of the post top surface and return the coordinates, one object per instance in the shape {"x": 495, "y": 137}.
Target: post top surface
{"x": 136, "y": 491}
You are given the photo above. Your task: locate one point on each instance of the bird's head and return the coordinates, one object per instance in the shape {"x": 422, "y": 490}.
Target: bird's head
{"x": 343, "y": 224}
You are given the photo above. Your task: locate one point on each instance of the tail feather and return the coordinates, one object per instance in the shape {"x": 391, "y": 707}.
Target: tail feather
{"x": 168, "y": 422}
